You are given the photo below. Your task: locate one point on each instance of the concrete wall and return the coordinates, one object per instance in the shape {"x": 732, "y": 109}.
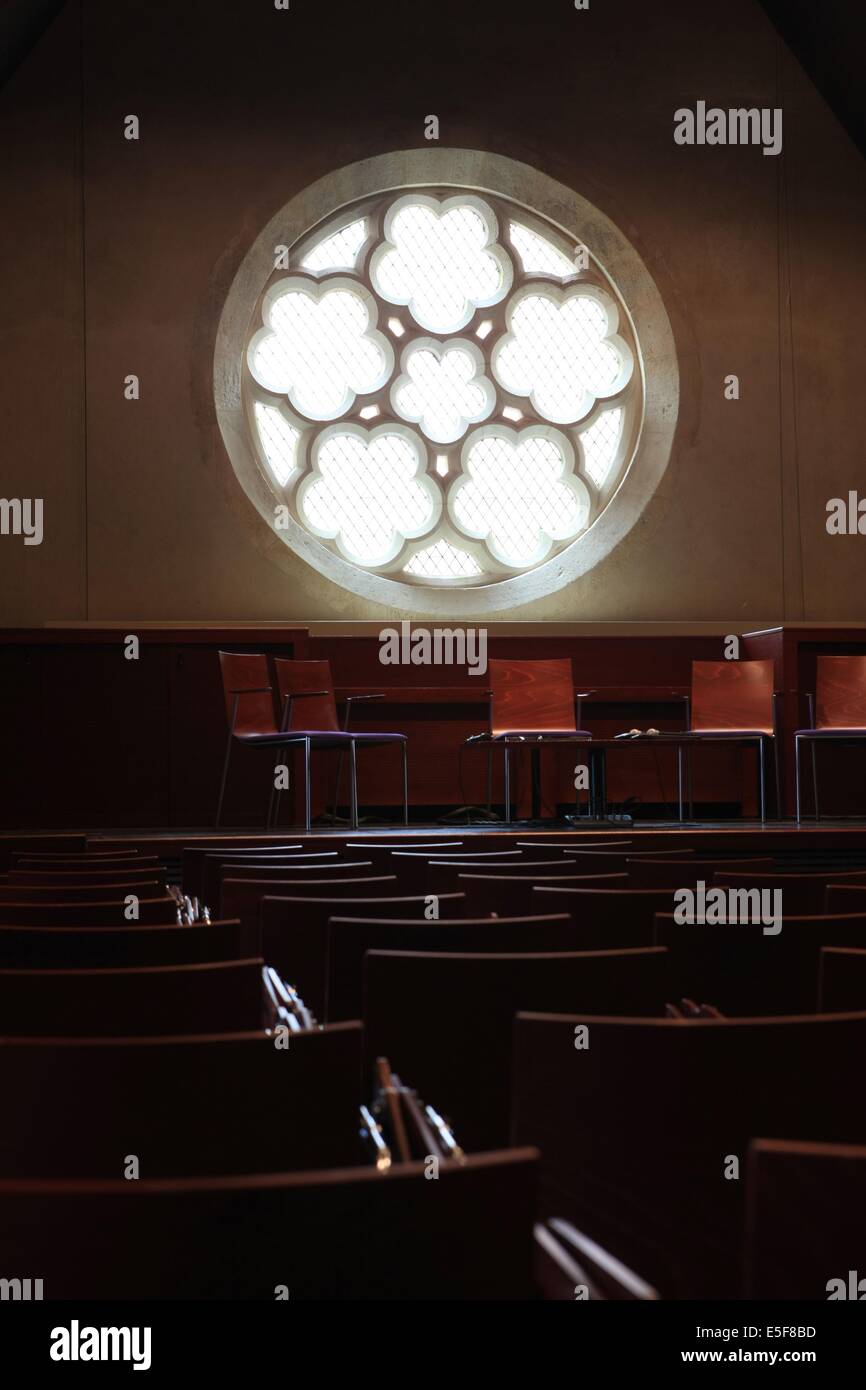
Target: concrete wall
{"x": 759, "y": 261}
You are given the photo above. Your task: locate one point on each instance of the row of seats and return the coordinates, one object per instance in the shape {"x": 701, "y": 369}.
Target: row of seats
{"x": 551, "y": 1011}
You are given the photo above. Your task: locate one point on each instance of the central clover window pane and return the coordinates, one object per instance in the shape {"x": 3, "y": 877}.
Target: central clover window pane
{"x": 443, "y": 388}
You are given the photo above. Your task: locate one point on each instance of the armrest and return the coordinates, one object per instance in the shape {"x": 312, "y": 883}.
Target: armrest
{"x": 296, "y": 695}
{"x": 351, "y": 700}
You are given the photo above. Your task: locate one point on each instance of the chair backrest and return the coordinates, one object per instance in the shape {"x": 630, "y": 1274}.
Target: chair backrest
{"x": 637, "y": 1127}
{"x": 348, "y": 1234}
{"x": 255, "y": 712}
{"x": 221, "y": 997}
{"x": 747, "y": 973}
{"x": 216, "y": 867}
{"x": 295, "y": 937}
{"x": 649, "y": 872}
{"x": 805, "y": 1221}
{"x": 448, "y": 1018}
{"x": 536, "y": 696}
{"x": 242, "y": 897}
{"x": 612, "y": 916}
{"x": 83, "y": 878}
{"x": 319, "y": 711}
{"x": 842, "y": 976}
{"x": 840, "y": 695}
{"x": 185, "y": 1107}
{"x": 732, "y": 695}
{"x": 114, "y": 913}
{"x": 511, "y": 895}
{"x": 47, "y": 893}
{"x": 73, "y": 948}
{"x": 803, "y": 894}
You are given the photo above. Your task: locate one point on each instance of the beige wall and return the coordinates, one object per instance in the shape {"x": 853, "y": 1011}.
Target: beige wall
{"x": 759, "y": 261}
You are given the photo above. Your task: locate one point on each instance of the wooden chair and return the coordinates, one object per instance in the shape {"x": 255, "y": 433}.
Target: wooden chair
{"x": 743, "y": 972}
{"x": 442, "y": 874}
{"x": 844, "y": 897}
{"x": 842, "y": 977}
{"x": 332, "y": 1235}
{"x": 735, "y": 702}
{"x": 805, "y": 1221}
{"x": 446, "y": 1019}
{"x": 107, "y": 948}
{"x": 252, "y": 723}
{"x": 840, "y": 716}
{"x": 220, "y": 997}
{"x": 36, "y": 894}
{"x": 309, "y": 715}
{"x": 608, "y": 916}
{"x": 81, "y": 878}
{"x": 511, "y": 895}
{"x": 638, "y": 1127}
{"x": 185, "y": 1107}
{"x": 193, "y": 858}
{"x": 647, "y": 872}
{"x": 216, "y": 867}
{"x": 531, "y": 703}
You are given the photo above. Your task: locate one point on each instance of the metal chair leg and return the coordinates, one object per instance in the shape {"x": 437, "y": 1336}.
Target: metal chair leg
{"x": 761, "y": 743}
{"x": 797, "y": 775}
{"x": 405, "y": 747}
{"x": 224, "y": 780}
{"x": 814, "y": 747}
{"x": 353, "y": 787}
{"x": 307, "y": 798}
{"x": 507, "y": 752}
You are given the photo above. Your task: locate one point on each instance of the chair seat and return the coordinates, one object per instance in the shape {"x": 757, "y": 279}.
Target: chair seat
{"x": 322, "y": 738}
{"x": 728, "y": 733}
{"x": 853, "y": 732}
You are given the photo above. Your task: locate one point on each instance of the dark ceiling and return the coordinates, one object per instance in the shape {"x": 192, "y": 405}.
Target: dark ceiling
{"x": 828, "y": 38}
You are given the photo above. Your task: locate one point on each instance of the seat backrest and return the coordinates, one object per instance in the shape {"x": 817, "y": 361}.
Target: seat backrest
{"x": 242, "y": 897}
{"x": 82, "y": 878}
{"x": 614, "y": 916}
{"x": 649, "y": 872}
{"x": 71, "y": 948}
{"x": 842, "y": 976}
{"x": 295, "y": 934}
{"x": 448, "y": 1018}
{"x": 844, "y": 897}
{"x": 638, "y": 1126}
{"x": 88, "y": 913}
{"x": 805, "y": 1221}
{"x": 745, "y": 972}
{"x": 185, "y": 1107}
{"x": 221, "y": 997}
{"x": 803, "y": 894}
{"x": 732, "y": 695}
{"x": 509, "y": 895}
{"x": 840, "y": 695}
{"x": 318, "y": 711}
{"x": 536, "y": 696}
{"x": 255, "y": 712}
{"x": 47, "y": 893}
{"x": 193, "y": 858}
{"x": 216, "y": 867}
{"x": 348, "y": 1234}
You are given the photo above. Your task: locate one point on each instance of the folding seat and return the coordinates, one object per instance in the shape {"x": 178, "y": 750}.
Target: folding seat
{"x": 216, "y": 867}
{"x": 349, "y": 1234}
{"x": 805, "y": 1221}
{"x": 446, "y": 1019}
{"x": 193, "y": 857}
{"x": 649, "y": 872}
{"x": 744, "y": 972}
{"x": 350, "y": 938}
{"x": 413, "y": 869}
{"x": 644, "y": 1128}
{"x": 442, "y": 873}
{"x": 161, "y": 910}
{"x": 35, "y": 894}
{"x": 37, "y": 843}
{"x": 184, "y": 1106}
{"x": 83, "y": 878}
{"x": 295, "y": 935}
{"x": 242, "y": 897}
{"x": 512, "y": 893}
{"x": 608, "y": 916}
{"x": 69, "y": 948}
{"x": 842, "y": 978}
{"x": 220, "y": 997}
{"x": 803, "y": 894}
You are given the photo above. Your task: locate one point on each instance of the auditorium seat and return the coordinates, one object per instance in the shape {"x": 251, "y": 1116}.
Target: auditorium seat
{"x": 88, "y": 913}
{"x": 242, "y": 897}
{"x": 649, "y": 872}
{"x": 803, "y": 894}
{"x": 842, "y": 978}
{"x": 441, "y": 876}
{"x": 514, "y": 893}
{"x": 183, "y": 1106}
{"x": 608, "y": 916}
{"x": 845, "y": 897}
{"x": 216, "y": 867}
{"x": 350, "y": 938}
{"x": 744, "y": 972}
{"x": 446, "y": 1020}
{"x": 108, "y": 948}
{"x": 295, "y": 934}
{"x": 350, "y": 1233}
{"x": 220, "y": 997}
{"x": 639, "y": 1127}
{"x": 193, "y": 857}
{"x": 36, "y": 894}
{"x": 805, "y": 1221}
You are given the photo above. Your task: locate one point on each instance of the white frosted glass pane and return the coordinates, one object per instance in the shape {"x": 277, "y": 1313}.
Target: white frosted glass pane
{"x": 600, "y": 443}
{"x": 539, "y": 256}
{"x": 279, "y": 441}
{"x": 443, "y": 561}
{"x": 340, "y": 251}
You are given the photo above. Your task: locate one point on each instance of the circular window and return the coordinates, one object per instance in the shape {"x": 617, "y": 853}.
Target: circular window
{"x": 438, "y": 388}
